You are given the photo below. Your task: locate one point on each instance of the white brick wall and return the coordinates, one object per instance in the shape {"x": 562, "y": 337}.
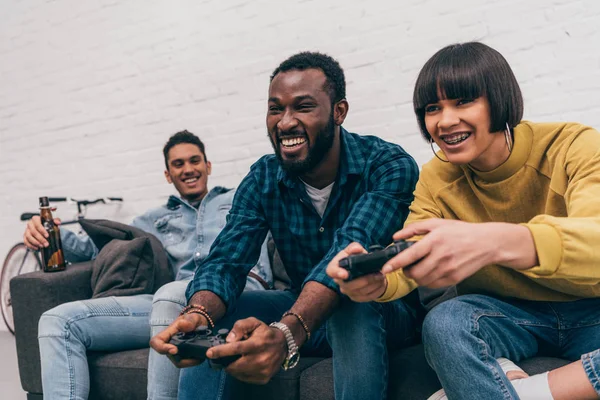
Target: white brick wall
{"x": 90, "y": 90}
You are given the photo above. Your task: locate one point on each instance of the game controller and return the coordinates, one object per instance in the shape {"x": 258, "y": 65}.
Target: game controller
{"x": 195, "y": 344}
{"x": 359, "y": 265}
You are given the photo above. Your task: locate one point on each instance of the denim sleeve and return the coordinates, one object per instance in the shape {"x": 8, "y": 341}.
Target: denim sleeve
{"x": 378, "y": 213}
{"x": 237, "y": 248}
{"x": 77, "y": 247}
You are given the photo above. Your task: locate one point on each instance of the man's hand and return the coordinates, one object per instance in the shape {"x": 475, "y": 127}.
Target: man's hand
{"x": 262, "y": 348}
{"x": 363, "y": 289}
{"x": 451, "y": 251}
{"x": 35, "y": 234}
{"x": 185, "y": 323}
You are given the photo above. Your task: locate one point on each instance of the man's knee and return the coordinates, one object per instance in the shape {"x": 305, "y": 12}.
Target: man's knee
{"x": 172, "y": 292}
{"x": 352, "y": 319}
{"x": 350, "y": 310}
{"x": 167, "y": 302}
{"x": 58, "y": 320}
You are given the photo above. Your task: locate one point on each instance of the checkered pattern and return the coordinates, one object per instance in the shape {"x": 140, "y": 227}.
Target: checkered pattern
{"x": 368, "y": 203}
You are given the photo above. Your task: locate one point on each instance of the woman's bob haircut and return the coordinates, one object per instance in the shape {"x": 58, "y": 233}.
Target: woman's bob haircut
{"x": 467, "y": 71}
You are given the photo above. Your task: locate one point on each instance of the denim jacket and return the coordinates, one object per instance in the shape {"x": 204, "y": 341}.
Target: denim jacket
{"x": 186, "y": 234}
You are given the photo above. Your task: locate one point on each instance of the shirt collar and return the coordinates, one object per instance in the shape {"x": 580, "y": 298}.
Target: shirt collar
{"x": 352, "y": 161}
{"x": 175, "y": 202}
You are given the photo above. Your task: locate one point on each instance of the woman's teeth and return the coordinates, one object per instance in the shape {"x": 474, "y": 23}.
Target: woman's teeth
{"x": 190, "y": 180}
{"x": 454, "y": 139}
{"x": 291, "y": 142}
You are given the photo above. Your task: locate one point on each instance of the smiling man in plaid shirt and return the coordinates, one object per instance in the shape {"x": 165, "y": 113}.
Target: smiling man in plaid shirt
{"x": 322, "y": 189}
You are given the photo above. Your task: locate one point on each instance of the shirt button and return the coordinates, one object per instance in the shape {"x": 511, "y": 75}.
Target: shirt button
{"x": 321, "y": 229}
{"x": 197, "y": 254}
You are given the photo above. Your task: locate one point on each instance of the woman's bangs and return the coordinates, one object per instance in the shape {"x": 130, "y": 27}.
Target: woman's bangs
{"x": 461, "y": 82}
{"x": 452, "y": 79}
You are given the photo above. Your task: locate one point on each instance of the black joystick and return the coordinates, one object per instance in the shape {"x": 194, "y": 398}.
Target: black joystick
{"x": 195, "y": 344}
{"x": 364, "y": 264}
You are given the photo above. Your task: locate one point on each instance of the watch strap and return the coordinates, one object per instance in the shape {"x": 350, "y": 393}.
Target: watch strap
{"x": 292, "y": 356}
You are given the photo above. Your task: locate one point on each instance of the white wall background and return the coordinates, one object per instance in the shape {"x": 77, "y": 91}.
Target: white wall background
{"x": 91, "y": 90}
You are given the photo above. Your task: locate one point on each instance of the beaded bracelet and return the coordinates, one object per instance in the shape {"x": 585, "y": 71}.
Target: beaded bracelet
{"x": 198, "y": 309}
{"x": 190, "y": 306}
{"x": 300, "y": 319}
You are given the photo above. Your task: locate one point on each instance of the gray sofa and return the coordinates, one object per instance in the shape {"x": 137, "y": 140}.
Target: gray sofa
{"x": 122, "y": 375}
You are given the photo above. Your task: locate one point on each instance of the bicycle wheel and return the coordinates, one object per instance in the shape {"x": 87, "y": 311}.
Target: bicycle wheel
{"x": 20, "y": 260}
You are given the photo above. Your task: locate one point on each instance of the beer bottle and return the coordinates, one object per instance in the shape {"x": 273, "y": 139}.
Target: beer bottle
{"x": 52, "y": 256}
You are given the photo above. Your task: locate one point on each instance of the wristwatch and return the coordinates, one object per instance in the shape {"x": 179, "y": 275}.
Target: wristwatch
{"x": 293, "y": 356}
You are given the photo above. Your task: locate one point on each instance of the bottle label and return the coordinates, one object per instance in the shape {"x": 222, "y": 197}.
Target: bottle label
{"x": 52, "y": 255}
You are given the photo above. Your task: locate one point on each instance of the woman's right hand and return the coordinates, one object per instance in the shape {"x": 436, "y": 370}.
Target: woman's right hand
{"x": 184, "y": 323}
{"x": 35, "y": 234}
{"x": 363, "y": 289}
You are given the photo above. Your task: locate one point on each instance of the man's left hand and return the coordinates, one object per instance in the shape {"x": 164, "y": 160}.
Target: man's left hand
{"x": 262, "y": 348}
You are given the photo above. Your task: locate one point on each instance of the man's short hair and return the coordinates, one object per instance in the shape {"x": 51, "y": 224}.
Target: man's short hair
{"x": 470, "y": 70}
{"x": 334, "y": 74}
{"x": 182, "y": 137}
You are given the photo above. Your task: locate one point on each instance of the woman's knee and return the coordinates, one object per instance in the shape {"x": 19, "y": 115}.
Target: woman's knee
{"x": 446, "y": 322}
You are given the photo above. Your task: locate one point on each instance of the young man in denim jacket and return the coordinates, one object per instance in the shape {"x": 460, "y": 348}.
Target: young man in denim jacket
{"x": 186, "y": 226}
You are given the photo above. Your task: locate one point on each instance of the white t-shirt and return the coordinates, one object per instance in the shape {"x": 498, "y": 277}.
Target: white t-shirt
{"x": 319, "y": 197}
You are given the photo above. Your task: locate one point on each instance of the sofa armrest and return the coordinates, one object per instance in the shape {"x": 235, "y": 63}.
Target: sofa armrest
{"x": 32, "y": 294}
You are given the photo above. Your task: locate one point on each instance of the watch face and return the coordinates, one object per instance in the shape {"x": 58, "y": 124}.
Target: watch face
{"x": 293, "y": 360}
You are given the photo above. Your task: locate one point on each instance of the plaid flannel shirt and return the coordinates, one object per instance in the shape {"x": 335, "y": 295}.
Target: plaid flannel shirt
{"x": 368, "y": 203}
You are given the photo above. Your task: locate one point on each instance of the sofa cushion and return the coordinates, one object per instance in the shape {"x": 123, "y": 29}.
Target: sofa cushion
{"x": 537, "y": 365}
{"x": 121, "y": 375}
{"x": 130, "y": 262}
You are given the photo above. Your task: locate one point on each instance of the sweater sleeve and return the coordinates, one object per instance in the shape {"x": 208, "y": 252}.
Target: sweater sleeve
{"x": 567, "y": 247}
{"x": 423, "y": 207}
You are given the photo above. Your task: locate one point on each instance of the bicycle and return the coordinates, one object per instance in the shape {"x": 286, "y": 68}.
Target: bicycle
{"x": 21, "y": 259}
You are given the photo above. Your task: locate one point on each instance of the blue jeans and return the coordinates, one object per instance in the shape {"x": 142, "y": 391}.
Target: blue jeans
{"x": 68, "y": 331}
{"x": 358, "y": 333}
{"x": 464, "y": 336}
{"x": 163, "y": 376}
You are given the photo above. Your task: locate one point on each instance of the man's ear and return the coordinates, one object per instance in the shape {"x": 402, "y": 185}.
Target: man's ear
{"x": 340, "y": 111}
{"x": 208, "y": 167}
{"x": 168, "y": 176}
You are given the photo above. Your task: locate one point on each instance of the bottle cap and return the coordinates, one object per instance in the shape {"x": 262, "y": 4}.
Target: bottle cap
{"x": 44, "y": 202}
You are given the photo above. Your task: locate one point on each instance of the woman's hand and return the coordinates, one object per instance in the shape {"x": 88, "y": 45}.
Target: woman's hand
{"x": 451, "y": 251}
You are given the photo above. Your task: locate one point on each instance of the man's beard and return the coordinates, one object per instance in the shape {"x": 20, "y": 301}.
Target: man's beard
{"x": 316, "y": 152}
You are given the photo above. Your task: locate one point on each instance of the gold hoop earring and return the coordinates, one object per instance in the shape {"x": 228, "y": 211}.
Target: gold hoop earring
{"x": 508, "y": 137}
{"x": 435, "y": 153}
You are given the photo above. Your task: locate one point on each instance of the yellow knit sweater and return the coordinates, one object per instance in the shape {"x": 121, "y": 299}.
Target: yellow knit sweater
{"x": 550, "y": 184}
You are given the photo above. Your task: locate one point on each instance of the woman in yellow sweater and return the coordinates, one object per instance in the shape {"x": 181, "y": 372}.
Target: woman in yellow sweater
{"x": 507, "y": 213}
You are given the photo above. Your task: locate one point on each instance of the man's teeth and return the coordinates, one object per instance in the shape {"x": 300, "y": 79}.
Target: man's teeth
{"x": 456, "y": 138}
{"x": 190, "y": 180}
{"x": 292, "y": 141}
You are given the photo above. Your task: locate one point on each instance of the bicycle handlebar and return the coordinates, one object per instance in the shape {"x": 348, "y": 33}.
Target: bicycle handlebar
{"x": 104, "y": 200}
{"x": 28, "y": 216}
